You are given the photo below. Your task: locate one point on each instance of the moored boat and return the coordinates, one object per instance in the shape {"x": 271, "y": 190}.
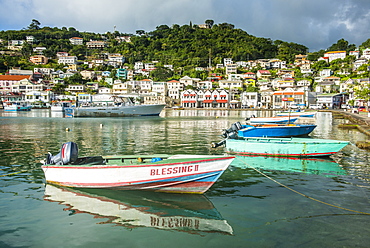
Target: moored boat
{"x": 275, "y": 120}
{"x": 268, "y": 130}
{"x": 284, "y": 147}
{"x": 122, "y": 106}
{"x": 165, "y": 173}
{"x": 16, "y": 106}
{"x": 60, "y": 106}
{"x": 296, "y": 114}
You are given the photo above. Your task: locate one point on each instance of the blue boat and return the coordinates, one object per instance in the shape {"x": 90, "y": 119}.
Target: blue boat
{"x": 296, "y": 114}
{"x": 284, "y": 147}
{"x": 291, "y": 130}
{"x": 268, "y": 130}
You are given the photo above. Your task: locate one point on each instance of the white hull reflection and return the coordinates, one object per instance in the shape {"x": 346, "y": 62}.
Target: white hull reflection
{"x": 179, "y": 212}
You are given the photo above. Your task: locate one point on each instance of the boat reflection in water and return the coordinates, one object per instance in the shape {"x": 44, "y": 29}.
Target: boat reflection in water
{"x": 180, "y": 212}
{"x": 324, "y": 167}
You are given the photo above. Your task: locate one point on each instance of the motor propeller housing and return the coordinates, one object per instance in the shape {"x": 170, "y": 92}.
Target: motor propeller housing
{"x": 68, "y": 154}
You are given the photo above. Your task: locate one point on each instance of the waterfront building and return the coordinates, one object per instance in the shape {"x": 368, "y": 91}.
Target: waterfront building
{"x": 288, "y": 98}
{"x": 189, "y": 99}
{"x": 7, "y": 81}
{"x": 39, "y": 96}
{"x": 250, "y": 99}
{"x": 174, "y": 89}
{"x": 26, "y": 85}
{"x": 331, "y": 100}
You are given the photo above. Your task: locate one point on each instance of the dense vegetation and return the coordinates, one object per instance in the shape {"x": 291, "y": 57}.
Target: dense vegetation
{"x": 180, "y": 46}
{"x": 185, "y": 47}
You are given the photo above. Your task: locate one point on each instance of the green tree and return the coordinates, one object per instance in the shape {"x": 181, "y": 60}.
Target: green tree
{"x": 342, "y": 45}
{"x": 161, "y": 74}
{"x": 364, "y": 94}
{"x": 75, "y": 79}
{"x": 209, "y": 23}
{"x": 35, "y": 25}
{"x": 59, "y": 88}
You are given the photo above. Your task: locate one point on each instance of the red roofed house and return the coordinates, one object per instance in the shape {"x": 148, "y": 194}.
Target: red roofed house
{"x": 76, "y": 41}
{"x": 263, "y": 74}
{"x": 7, "y": 81}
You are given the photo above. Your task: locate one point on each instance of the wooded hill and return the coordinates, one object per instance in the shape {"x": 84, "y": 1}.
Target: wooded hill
{"x": 180, "y": 46}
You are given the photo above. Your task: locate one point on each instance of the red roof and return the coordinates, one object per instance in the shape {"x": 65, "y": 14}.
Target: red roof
{"x": 13, "y": 77}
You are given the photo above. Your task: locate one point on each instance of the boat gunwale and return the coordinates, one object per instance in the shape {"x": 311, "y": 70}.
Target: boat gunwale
{"x": 177, "y": 161}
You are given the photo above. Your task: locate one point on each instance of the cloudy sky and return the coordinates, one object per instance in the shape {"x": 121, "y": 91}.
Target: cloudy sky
{"x": 316, "y": 24}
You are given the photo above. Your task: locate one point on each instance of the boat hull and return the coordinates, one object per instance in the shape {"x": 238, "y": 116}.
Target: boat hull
{"x": 275, "y": 120}
{"x": 296, "y": 114}
{"x": 121, "y": 111}
{"x": 185, "y": 174}
{"x": 276, "y": 131}
{"x": 284, "y": 147}
{"x": 17, "y": 108}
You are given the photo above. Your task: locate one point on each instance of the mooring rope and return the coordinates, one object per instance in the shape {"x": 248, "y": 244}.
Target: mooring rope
{"x": 299, "y": 193}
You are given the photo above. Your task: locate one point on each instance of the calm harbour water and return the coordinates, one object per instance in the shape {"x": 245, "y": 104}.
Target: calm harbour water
{"x": 242, "y": 209}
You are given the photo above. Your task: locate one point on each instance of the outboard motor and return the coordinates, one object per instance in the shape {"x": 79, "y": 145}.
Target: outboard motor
{"x": 232, "y": 131}
{"x": 68, "y": 154}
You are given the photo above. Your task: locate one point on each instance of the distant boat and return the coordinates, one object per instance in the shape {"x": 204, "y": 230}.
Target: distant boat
{"x": 297, "y": 114}
{"x": 165, "y": 173}
{"x": 193, "y": 214}
{"x": 123, "y": 106}
{"x": 284, "y": 147}
{"x": 16, "y": 106}
{"x": 275, "y": 120}
{"x": 317, "y": 166}
{"x": 60, "y": 106}
{"x": 268, "y": 130}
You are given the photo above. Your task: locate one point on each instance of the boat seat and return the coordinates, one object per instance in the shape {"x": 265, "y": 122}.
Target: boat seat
{"x": 95, "y": 160}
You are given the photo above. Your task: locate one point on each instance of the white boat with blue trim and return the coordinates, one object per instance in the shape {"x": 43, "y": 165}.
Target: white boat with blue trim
{"x": 16, "y": 106}
{"x": 121, "y": 106}
{"x": 165, "y": 173}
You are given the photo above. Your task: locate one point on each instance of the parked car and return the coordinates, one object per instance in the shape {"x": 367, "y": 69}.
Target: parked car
{"x": 362, "y": 109}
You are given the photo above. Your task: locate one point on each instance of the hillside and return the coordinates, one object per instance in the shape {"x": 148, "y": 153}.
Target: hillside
{"x": 177, "y": 45}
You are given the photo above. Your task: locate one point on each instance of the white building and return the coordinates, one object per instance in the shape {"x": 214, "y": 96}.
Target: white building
{"x": 335, "y": 55}
{"x": 174, "y": 88}
{"x": 76, "y": 41}
{"x": 230, "y": 85}
{"x": 250, "y": 99}
{"x": 67, "y": 60}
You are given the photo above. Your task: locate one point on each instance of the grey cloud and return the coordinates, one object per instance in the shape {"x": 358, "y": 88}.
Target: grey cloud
{"x": 316, "y": 24}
